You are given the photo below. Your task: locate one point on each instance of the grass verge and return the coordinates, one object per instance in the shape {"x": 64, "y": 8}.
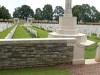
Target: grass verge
{"x": 36, "y": 71}
{"x": 41, "y": 33}
{"x": 90, "y": 51}
{"x": 21, "y": 33}
{"x": 5, "y": 32}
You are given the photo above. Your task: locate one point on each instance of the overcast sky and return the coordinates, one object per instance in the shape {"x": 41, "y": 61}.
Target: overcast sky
{"x": 12, "y": 4}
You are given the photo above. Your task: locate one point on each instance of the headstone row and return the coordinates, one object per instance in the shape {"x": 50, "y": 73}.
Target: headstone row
{"x": 47, "y": 27}
{"x": 90, "y": 29}
{"x": 33, "y": 32}
{"x": 86, "y": 29}
{"x": 5, "y": 25}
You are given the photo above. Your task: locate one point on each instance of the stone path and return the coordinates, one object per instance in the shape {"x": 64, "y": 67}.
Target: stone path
{"x": 88, "y": 69}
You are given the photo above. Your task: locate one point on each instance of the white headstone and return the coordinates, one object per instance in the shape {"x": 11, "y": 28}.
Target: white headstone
{"x": 97, "y": 58}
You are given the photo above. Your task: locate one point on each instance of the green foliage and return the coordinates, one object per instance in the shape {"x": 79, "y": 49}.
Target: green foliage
{"x": 41, "y": 33}
{"x": 16, "y": 13}
{"x": 36, "y": 71}
{"x": 4, "y": 13}
{"x": 95, "y": 15}
{"x": 21, "y": 33}
{"x": 48, "y": 12}
{"x": 86, "y": 13}
{"x": 90, "y": 51}
{"x": 77, "y": 12}
{"x": 38, "y": 14}
{"x": 58, "y": 11}
{"x": 24, "y": 12}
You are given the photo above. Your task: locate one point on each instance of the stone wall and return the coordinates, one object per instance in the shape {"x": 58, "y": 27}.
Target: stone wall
{"x": 34, "y": 52}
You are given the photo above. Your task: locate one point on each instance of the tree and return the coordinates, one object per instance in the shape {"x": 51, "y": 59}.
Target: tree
{"x": 86, "y": 13}
{"x": 48, "y": 12}
{"x": 4, "y": 13}
{"x": 95, "y": 14}
{"x": 38, "y": 14}
{"x": 0, "y": 13}
{"x": 58, "y": 11}
{"x": 17, "y": 13}
{"x": 23, "y": 12}
{"x": 77, "y": 11}
{"x": 26, "y": 12}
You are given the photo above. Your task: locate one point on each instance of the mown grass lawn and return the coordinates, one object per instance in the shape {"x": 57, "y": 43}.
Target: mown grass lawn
{"x": 5, "y": 32}
{"x": 21, "y": 33}
{"x": 41, "y": 33}
{"x": 36, "y": 71}
{"x": 90, "y": 51}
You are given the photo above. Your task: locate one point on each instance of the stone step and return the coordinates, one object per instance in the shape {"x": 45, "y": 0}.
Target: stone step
{"x": 91, "y": 61}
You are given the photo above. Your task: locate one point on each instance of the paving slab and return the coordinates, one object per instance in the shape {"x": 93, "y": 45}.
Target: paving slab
{"x": 91, "y": 61}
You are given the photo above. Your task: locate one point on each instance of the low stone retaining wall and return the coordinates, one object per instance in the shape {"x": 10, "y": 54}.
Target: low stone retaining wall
{"x": 17, "y": 53}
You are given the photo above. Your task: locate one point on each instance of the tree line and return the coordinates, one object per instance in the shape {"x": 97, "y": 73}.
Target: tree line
{"x": 46, "y": 13}
{"x": 84, "y": 13}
